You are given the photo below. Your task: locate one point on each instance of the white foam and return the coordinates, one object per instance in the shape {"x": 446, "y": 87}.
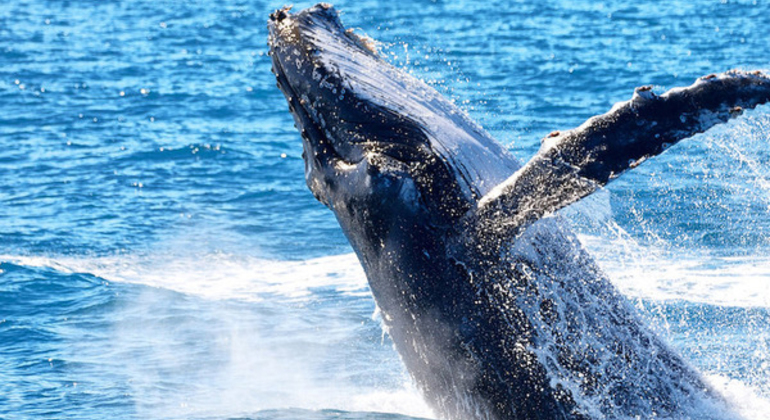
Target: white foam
{"x": 746, "y": 400}
{"x": 215, "y": 275}
{"x": 257, "y": 370}
{"x": 657, "y": 273}
{"x": 639, "y": 271}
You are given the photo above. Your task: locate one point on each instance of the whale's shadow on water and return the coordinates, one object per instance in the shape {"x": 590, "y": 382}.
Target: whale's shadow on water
{"x": 493, "y": 305}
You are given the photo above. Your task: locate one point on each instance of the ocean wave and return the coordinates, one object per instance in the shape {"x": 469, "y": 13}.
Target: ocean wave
{"x": 216, "y": 275}
{"x": 639, "y": 271}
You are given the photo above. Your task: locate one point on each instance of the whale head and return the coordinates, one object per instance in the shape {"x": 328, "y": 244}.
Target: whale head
{"x": 377, "y": 141}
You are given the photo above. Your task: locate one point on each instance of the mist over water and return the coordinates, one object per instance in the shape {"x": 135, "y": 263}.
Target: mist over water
{"x": 161, "y": 257}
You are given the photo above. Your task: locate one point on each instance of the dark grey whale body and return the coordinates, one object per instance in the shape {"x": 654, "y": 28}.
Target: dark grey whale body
{"x": 494, "y": 307}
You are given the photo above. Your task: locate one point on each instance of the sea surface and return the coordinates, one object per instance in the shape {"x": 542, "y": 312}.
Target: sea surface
{"x": 161, "y": 257}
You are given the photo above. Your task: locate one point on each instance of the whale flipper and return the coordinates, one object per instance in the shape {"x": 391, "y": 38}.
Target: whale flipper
{"x": 573, "y": 164}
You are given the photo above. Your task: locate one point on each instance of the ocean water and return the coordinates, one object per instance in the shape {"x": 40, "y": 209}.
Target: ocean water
{"x": 161, "y": 257}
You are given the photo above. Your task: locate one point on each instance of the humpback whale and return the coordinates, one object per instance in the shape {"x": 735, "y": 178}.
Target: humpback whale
{"x": 491, "y": 302}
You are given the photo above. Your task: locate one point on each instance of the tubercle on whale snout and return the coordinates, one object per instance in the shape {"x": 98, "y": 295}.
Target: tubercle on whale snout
{"x": 322, "y": 17}
{"x": 321, "y": 12}
{"x": 280, "y": 14}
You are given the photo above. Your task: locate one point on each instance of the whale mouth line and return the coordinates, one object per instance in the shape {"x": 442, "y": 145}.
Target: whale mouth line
{"x": 285, "y": 29}
{"x": 312, "y": 132}
{"x": 310, "y": 129}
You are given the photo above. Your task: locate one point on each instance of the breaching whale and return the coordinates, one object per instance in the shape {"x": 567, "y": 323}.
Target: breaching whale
{"x": 496, "y": 310}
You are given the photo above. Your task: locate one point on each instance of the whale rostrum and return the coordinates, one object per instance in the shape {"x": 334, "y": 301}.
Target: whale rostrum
{"x": 494, "y": 307}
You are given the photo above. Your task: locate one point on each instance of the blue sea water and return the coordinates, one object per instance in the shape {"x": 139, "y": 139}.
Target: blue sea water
{"x": 161, "y": 257}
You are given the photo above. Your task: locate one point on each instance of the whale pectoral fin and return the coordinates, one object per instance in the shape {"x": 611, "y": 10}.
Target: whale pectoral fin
{"x": 573, "y": 164}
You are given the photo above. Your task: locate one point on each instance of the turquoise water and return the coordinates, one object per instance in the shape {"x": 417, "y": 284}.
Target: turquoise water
{"x": 161, "y": 257}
